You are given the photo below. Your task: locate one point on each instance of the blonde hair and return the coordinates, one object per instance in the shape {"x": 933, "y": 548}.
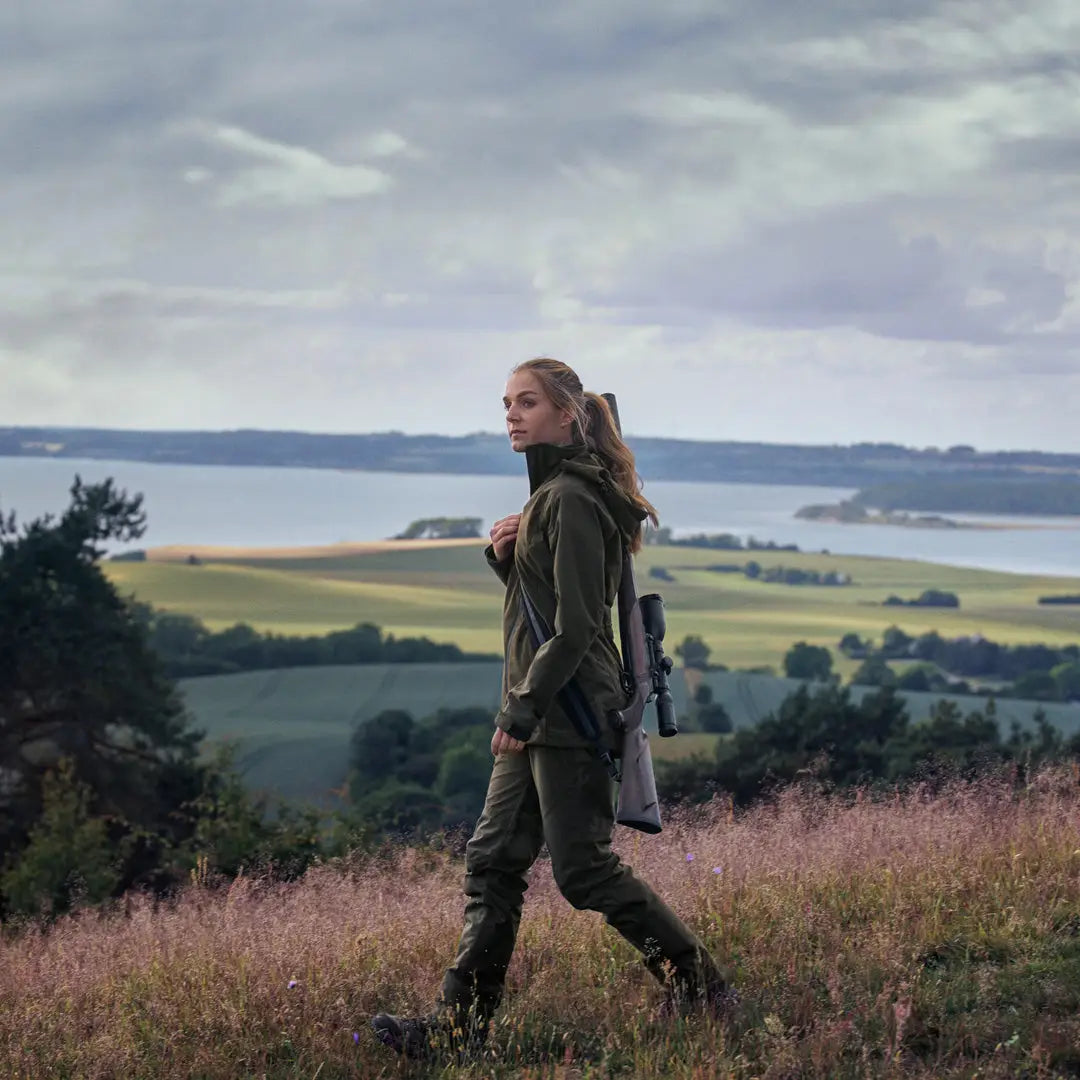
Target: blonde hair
{"x": 594, "y": 425}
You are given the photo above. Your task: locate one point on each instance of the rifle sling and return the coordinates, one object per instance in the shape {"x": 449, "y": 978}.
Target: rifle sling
{"x": 573, "y": 701}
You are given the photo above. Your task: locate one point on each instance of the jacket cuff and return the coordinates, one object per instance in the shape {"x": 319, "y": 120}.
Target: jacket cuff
{"x": 500, "y": 566}
{"x": 514, "y": 726}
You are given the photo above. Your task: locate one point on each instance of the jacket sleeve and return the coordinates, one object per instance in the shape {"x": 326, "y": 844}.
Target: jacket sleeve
{"x": 500, "y": 566}
{"x": 576, "y": 536}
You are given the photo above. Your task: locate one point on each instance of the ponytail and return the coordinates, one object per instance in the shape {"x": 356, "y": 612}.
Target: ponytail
{"x": 595, "y": 426}
{"x": 603, "y": 438}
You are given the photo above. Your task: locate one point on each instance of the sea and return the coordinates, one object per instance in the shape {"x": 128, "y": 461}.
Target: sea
{"x": 276, "y": 507}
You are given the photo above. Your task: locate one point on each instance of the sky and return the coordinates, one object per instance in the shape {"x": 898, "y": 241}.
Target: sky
{"x": 810, "y": 223}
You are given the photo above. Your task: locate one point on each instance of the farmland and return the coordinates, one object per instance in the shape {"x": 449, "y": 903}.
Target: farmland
{"x": 445, "y": 591}
{"x": 292, "y": 727}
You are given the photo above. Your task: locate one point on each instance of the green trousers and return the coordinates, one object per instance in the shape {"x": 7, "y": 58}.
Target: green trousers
{"x": 562, "y": 796}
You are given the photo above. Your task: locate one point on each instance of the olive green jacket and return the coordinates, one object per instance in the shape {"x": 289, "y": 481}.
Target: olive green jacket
{"x": 568, "y": 554}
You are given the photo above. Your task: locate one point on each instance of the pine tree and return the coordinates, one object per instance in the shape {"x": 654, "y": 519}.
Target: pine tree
{"x": 78, "y": 680}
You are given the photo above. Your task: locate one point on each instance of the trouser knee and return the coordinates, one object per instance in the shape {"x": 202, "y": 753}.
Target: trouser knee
{"x": 589, "y": 887}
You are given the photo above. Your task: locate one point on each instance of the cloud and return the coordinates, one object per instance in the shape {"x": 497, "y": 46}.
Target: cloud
{"x": 808, "y": 201}
{"x": 289, "y": 175}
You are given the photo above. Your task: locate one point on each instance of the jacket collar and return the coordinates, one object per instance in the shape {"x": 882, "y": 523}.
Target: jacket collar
{"x": 545, "y": 459}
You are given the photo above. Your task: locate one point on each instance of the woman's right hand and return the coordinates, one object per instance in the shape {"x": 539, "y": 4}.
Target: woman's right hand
{"x": 503, "y": 535}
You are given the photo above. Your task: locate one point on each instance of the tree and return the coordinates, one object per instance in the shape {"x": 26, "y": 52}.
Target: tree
{"x": 874, "y": 671}
{"x": 947, "y": 741}
{"x": 693, "y": 652}
{"x": 79, "y": 680}
{"x": 380, "y": 745}
{"x": 931, "y": 646}
{"x": 395, "y": 808}
{"x": 1036, "y": 686}
{"x": 895, "y": 643}
{"x": 826, "y": 731}
{"x": 714, "y": 718}
{"x": 917, "y": 678}
{"x": 1067, "y": 677}
{"x": 853, "y": 646}
{"x": 804, "y": 661}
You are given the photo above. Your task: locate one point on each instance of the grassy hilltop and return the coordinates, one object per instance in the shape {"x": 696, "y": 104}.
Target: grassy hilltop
{"x": 926, "y": 936}
{"x": 444, "y": 590}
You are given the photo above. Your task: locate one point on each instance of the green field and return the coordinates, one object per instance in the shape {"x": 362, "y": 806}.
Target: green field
{"x": 292, "y": 727}
{"x": 447, "y": 593}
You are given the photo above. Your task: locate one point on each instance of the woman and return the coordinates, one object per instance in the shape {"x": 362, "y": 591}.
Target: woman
{"x": 547, "y": 784}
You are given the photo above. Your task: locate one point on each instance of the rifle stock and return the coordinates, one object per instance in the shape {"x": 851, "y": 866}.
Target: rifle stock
{"x": 638, "y": 805}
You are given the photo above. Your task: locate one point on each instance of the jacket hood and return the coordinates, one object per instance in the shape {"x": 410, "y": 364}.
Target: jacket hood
{"x": 544, "y": 460}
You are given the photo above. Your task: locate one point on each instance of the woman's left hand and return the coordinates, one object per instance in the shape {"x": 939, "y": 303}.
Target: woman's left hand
{"x": 502, "y": 743}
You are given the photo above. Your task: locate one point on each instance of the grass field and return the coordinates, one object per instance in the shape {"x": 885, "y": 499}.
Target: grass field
{"x": 926, "y": 937}
{"x": 292, "y": 728}
{"x": 443, "y": 590}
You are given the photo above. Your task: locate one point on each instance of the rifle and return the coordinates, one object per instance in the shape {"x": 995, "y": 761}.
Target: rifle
{"x": 642, "y": 627}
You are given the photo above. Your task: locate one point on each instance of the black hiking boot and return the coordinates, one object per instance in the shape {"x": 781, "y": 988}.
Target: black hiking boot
{"x": 438, "y": 1037}
{"x": 717, "y": 1002}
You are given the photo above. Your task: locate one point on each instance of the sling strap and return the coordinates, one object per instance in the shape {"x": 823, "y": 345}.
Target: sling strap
{"x": 573, "y": 701}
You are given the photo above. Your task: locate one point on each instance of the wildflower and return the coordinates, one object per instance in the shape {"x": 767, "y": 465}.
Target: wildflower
{"x": 293, "y": 984}
{"x": 689, "y": 857}
{"x": 356, "y": 1036}
{"x": 717, "y": 869}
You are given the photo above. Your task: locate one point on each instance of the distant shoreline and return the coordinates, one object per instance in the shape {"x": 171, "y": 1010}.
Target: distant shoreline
{"x": 849, "y": 513}
{"x": 857, "y": 467}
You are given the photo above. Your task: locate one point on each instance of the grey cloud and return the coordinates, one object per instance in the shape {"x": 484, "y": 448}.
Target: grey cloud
{"x": 849, "y": 170}
{"x": 1041, "y": 154}
{"x": 851, "y": 268}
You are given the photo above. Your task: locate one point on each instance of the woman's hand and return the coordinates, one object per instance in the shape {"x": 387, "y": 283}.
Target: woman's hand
{"x": 503, "y": 535}
{"x": 502, "y": 743}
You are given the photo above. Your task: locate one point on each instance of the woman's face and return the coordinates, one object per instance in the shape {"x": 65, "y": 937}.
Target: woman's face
{"x": 531, "y": 417}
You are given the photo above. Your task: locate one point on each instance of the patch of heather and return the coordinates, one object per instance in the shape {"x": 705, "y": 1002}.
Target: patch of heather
{"x": 918, "y": 935}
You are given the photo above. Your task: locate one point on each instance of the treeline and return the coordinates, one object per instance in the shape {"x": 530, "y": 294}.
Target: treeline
{"x": 970, "y": 664}
{"x": 927, "y": 598}
{"x": 858, "y": 466}
{"x": 442, "y": 528}
{"x": 769, "y": 575}
{"x": 822, "y": 734}
{"x": 714, "y": 541}
{"x": 188, "y": 649}
{"x": 1026, "y": 494}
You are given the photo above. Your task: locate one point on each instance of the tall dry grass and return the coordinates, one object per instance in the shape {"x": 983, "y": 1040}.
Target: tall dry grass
{"x": 928, "y": 935}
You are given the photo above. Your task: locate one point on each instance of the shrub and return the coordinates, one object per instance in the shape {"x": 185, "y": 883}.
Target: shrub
{"x": 69, "y": 860}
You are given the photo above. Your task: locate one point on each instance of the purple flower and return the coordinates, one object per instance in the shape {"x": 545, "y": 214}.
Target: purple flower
{"x": 293, "y": 984}
{"x": 689, "y": 858}
{"x": 717, "y": 869}
{"x": 356, "y": 1036}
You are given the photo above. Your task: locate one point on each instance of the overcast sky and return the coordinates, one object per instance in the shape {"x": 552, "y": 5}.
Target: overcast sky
{"x": 785, "y": 221}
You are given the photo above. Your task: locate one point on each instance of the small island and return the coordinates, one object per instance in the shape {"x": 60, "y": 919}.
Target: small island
{"x": 850, "y": 512}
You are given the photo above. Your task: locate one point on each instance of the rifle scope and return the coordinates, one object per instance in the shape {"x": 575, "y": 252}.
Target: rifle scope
{"x": 654, "y": 622}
